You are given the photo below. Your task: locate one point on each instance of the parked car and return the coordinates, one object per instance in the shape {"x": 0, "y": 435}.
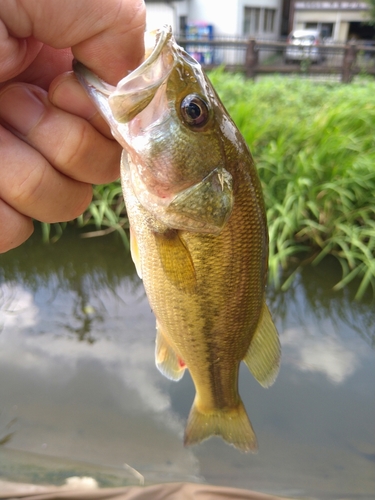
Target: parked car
{"x": 304, "y": 44}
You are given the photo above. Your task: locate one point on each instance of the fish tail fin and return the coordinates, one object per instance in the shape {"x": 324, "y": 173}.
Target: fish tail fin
{"x": 233, "y": 425}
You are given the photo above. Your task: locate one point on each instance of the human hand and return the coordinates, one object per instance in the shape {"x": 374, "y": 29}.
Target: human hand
{"x": 54, "y": 145}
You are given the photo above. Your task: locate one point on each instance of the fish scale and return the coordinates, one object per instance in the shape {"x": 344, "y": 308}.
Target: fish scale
{"x": 228, "y": 295}
{"x": 198, "y": 232}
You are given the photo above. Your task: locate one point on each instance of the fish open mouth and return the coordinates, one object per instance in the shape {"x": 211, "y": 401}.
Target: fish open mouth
{"x": 121, "y": 103}
{"x": 204, "y": 206}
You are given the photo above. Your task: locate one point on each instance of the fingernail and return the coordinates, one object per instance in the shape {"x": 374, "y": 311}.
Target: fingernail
{"x": 20, "y": 108}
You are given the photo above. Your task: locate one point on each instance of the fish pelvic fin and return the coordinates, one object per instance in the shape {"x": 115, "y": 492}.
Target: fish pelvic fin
{"x": 135, "y": 253}
{"x": 166, "y": 360}
{"x": 176, "y": 260}
{"x": 232, "y": 424}
{"x": 263, "y": 355}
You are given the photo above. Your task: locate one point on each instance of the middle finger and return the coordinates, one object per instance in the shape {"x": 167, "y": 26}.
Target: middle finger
{"x": 68, "y": 142}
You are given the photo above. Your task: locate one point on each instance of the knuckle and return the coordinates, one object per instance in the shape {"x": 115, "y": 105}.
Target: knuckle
{"x": 85, "y": 155}
{"x": 26, "y": 191}
{"x": 74, "y": 148}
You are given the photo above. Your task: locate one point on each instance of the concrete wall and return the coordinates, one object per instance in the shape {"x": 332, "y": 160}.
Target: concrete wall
{"x": 223, "y": 15}
{"x": 159, "y": 13}
{"x": 340, "y": 20}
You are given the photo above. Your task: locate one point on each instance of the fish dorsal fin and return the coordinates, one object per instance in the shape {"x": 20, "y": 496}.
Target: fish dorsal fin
{"x": 134, "y": 252}
{"x": 176, "y": 260}
{"x": 263, "y": 355}
{"x": 166, "y": 360}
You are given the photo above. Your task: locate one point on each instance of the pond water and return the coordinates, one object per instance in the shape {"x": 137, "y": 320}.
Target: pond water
{"x": 80, "y": 393}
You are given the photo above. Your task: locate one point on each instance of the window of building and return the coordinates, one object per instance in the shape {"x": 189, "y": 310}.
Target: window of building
{"x": 251, "y": 21}
{"x": 326, "y": 29}
{"x": 269, "y": 20}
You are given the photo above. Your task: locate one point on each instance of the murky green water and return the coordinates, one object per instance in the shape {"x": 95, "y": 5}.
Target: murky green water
{"x": 80, "y": 394}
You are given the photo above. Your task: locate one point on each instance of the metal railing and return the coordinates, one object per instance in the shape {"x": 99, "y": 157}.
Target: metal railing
{"x": 255, "y": 57}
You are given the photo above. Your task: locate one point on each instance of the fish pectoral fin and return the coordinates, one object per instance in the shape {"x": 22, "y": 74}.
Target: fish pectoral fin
{"x": 176, "y": 260}
{"x": 166, "y": 360}
{"x": 263, "y": 355}
{"x": 134, "y": 252}
{"x": 232, "y": 424}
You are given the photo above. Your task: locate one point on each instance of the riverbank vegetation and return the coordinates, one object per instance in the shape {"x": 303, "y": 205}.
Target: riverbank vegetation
{"x": 314, "y": 145}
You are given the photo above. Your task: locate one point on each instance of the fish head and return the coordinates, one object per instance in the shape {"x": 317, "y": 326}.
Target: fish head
{"x": 169, "y": 120}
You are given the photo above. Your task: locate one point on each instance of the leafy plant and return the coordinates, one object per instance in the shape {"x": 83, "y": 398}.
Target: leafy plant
{"x": 314, "y": 146}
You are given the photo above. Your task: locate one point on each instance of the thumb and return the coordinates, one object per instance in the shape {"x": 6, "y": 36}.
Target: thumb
{"x": 105, "y": 35}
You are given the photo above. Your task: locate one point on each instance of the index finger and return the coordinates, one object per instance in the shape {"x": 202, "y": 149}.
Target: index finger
{"x": 105, "y": 35}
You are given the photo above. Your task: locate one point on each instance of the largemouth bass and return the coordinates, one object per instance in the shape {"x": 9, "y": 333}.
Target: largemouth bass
{"x": 198, "y": 232}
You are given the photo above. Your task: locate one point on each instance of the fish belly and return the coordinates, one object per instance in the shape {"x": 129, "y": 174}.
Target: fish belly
{"x": 206, "y": 292}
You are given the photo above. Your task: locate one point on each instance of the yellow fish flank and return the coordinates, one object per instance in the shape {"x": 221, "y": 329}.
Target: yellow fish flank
{"x": 198, "y": 232}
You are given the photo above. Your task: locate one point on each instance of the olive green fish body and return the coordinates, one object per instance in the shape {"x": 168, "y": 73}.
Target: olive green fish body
{"x": 208, "y": 315}
{"x": 198, "y": 233}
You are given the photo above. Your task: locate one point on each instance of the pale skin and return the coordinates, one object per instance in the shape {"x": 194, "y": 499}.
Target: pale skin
{"x": 53, "y": 143}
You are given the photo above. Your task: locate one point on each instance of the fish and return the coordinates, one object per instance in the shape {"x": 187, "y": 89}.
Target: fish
{"x": 198, "y": 232}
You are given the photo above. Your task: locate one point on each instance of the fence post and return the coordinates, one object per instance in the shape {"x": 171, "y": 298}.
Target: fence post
{"x": 350, "y": 56}
{"x": 251, "y": 60}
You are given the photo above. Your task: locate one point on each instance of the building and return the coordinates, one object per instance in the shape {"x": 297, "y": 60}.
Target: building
{"x": 338, "y": 20}
{"x": 258, "y": 18}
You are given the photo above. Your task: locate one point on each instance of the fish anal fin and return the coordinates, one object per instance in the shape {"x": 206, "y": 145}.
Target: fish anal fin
{"x": 263, "y": 355}
{"x": 166, "y": 360}
{"x": 176, "y": 260}
{"x": 233, "y": 425}
{"x": 134, "y": 252}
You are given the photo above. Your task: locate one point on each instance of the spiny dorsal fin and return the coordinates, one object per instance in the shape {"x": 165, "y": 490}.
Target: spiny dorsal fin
{"x": 263, "y": 356}
{"x": 166, "y": 360}
{"x": 176, "y": 260}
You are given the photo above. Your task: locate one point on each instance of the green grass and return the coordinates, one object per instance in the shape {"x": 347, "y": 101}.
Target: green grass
{"x": 314, "y": 146}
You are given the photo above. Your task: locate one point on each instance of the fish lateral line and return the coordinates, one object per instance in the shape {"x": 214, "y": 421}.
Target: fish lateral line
{"x": 205, "y": 239}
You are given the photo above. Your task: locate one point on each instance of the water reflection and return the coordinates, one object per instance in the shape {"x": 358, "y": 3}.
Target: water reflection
{"x": 319, "y": 301}
{"x": 78, "y": 380}
{"x": 317, "y": 324}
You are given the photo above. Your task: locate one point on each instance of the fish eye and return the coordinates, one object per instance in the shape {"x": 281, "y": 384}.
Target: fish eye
{"x": 194, "y": 110}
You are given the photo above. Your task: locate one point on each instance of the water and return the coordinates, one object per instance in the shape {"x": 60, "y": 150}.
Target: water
{"x": 80, "y": 394}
